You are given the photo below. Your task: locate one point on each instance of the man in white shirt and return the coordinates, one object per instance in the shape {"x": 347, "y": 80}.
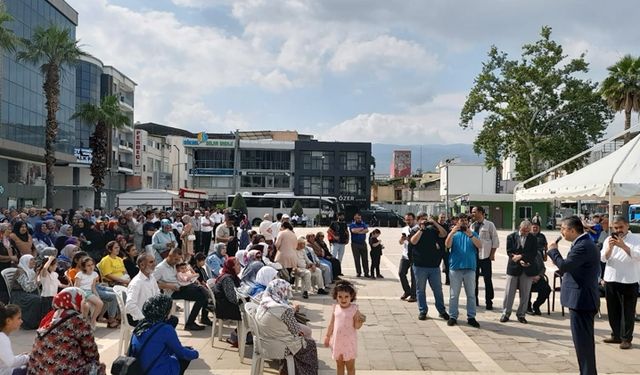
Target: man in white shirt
{"x": 275, "y": 227}
{"x": 405, "y": 263}
{"x": 207, "y": 233}
{"x": 488, "y": 234}
{"x": 142, "y": 287}
{"x": 265, "y": 229}
{"x": 621, "y": 252}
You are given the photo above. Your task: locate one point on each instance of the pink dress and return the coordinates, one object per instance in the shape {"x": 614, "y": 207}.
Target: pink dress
{"x": 344, "y": 340}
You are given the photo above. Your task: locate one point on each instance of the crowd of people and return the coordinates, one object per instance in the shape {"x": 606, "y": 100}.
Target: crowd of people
{"x": 67, "y": 263}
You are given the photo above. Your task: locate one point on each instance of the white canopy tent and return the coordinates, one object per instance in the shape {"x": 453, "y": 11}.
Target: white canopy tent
{"x": 615, "y": 178}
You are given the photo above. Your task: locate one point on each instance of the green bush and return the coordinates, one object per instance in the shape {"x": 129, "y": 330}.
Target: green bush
{"x": 297, "y": 208}
{"x": 239, "y": 204}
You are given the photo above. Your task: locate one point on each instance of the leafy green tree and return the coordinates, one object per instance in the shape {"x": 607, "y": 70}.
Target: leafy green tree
{"x": 621, "y": 88}
{"x": 412, "y": 186}
{"x": 8, "y": 40}
{"x": 105, "y": 117}
{"x": 536, "y": 108}
{"x": 239, "y": 204}
{"x": 297, "y": 208}
{"x": 52, "y": 49}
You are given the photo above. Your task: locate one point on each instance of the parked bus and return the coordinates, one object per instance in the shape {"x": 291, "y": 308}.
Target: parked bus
{"x": 258, "y": 205}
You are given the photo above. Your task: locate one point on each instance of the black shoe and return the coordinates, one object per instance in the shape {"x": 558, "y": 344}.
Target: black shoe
{"x": 380, "y": 276}
{"x": 489, "y": 306}
{"x": 536, "y": 311}
{"x": 193, "y": 327}
{"x": 372, "y": 277}
{"x": 522, "y": 320}
{"x": 404, "y": 296}
{"x": 530, "y": 310}
{"x": 305, "y": 295}
{"x": 367, "y": 275}
{"x": 452, "y": 322}
{"x": 322, "y": 291}
{"x": 473, "y": 323}
{"x": 504, "y": 318}
{"x": 206, "y": 322}
{"x": 358, "y": 275}
{"x": 411, "y": 299}
{"x": 612, "y": 340}
{"x": 422, "y": 316}
{"x": 444, "y": 316}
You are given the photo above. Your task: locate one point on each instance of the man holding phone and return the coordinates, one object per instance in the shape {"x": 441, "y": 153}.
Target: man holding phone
{"x": 409, "y": 294}
{"x": 621, "y": 252}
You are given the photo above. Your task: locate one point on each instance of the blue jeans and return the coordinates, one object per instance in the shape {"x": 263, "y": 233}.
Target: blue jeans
{"x": 108, "y": 296}
{"x": 424, "y": 274}
{"x": 338, "y": 250}
{"x": 457, "y": 277}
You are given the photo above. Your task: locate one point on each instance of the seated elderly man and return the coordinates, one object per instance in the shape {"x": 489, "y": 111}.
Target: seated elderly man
{"x": 142, "y": 287}
{"x": 307, "y": 270}
{"x": 323, "y": 264}
{"x": 167, "y": 277}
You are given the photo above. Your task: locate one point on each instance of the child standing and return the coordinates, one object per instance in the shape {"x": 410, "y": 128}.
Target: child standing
{"x": 376, "y": 253}
{"x": 10, "y": 321}
{"x": 87, "y": 280}
{"x": 49, "y": 280}
{"x": 341, "y": 333}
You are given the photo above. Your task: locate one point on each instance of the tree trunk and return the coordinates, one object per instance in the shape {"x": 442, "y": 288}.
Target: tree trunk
{"x": 98, "y": 143}
{"x": 51, "y": 87}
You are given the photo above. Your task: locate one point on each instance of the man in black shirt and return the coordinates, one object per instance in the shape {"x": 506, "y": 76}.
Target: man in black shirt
{"x": 426, "y": 256}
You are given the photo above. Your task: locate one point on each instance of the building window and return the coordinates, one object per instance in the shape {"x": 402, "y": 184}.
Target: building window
{"x": 525, "y": 212}
{"x": 353, "y": 161}
{"x": 267, "y": 182}
{"x": 213, "y": 158}
{"x": 265, "y": 159}
{"x": 352, "y": 185}
{"x": 310, "y": 185}
{"x": 313, "y": 160}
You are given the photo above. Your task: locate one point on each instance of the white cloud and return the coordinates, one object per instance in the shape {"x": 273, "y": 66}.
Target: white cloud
{"x": 275, "y": 81}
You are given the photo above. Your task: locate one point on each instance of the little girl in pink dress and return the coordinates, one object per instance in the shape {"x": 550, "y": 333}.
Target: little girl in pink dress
{"x": 341, "y": 333}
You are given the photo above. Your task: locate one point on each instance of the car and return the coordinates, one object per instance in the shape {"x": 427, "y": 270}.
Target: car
{"x": 382, "y": 218}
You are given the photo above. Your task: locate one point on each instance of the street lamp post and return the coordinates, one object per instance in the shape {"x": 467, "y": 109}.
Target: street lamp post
{"x": 321, "y": 189}
{"x": 447, "y": 162}
{"x": 178, "y": 151}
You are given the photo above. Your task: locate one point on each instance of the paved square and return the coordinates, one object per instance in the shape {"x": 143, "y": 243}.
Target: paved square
{"x": 393, "y": 341}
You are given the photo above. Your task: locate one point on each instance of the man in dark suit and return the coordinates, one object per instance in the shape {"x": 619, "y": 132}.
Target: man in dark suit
{"x": 522, "y": 249}
{"x": 581, "y": 273}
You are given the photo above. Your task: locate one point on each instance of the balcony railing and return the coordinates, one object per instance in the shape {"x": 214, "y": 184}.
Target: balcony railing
{"x": 124, "y": 164}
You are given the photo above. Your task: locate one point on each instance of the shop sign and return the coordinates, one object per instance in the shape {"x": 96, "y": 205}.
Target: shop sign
{"x": 83, "y": 155}
{"x": 211, "y": 172}
{"x": 138, "y": 148}
{"x": 205, "y": 142}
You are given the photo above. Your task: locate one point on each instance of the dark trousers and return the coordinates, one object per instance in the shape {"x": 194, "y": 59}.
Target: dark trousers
{"x": 582, "y": 332}
{"x": 197, "y": 244}
{"x": 205, "y": 243}
{"x": 543, "y": 289}
{"x": 336, "y": 267}
{"x": 360, "y": 256}
{"x": 405, "y": 267}
{"x": 484, "y": 269}
{"x": 621, "y": 306}
{"x": 375, "y": 263}
{"x": 445, "y": 267}
{"x": 198, "y": 295}
{"x": 184, "y": 364}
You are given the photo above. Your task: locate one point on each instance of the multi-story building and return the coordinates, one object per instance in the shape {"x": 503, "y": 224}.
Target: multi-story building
{"x": 22, "y": 110}
{"x": 339, "y": 169}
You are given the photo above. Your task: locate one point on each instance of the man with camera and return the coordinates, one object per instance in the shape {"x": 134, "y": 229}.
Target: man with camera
{"x": 621, "y": 252}
{"x": 464, "y": 245}
{"x": 426, "y": 256}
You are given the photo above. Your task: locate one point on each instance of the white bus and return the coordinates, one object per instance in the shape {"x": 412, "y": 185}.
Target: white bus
{"x": 258, "y": 205}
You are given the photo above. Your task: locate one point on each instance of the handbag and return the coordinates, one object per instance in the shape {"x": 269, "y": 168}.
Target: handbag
{"x": 191, "y": 237}
{"x": 129, "y": 364}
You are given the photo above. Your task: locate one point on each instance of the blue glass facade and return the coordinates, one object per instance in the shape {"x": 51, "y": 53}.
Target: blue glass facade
{"x": 22, "y": 108}
{"x": 88, "y": 77}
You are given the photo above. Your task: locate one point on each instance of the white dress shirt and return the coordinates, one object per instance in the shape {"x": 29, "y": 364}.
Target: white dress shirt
{"x": 622, "y": 267}
{"x": 166, "y": 274}
{"x": 489, "y": 238}
{"x": 265, "y": 229}
{"x": 140, "y": 289}
{"x": 206, "y": 224}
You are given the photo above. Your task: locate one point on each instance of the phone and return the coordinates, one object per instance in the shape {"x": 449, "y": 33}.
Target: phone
{"x": 614, "y": 235}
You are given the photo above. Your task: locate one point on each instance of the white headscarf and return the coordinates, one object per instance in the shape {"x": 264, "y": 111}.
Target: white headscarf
{"x": 265, "y": 275}
{"x": 241, "y": 257}
{"x": 24, "y": 265}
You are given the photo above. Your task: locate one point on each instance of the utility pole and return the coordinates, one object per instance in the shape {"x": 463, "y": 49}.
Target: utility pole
{"x": 447, "y": 162}
{"x": 178, "y": 151}
{"x": 321, "y": 189}
{"x": 236, "y": 162}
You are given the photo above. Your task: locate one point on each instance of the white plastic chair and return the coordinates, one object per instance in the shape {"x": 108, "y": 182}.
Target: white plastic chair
{"x": 186, "y": 307}
{"x": 125, "y": 328}
{"x": 220, "y": 323}
{"x": 8, "y": 274}
{"x": 257, "y": 363}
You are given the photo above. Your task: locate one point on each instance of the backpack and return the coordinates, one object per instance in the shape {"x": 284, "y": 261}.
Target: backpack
{"x": 129, "y": 364}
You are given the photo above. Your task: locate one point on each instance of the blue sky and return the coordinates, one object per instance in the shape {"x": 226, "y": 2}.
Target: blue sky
{"x": 385, "y": 71}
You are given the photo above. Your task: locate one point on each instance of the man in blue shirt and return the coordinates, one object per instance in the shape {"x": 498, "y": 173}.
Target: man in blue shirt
{"x": 464, "y": 245}
{"x": 359, "y": 231}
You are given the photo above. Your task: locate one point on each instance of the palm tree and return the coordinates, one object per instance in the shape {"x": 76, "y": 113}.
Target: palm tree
{"x": 105, "y": 117}
{"x": 621, "y": 89}
{"x": 8, "y": 40}
{"x": 51, "y": 48}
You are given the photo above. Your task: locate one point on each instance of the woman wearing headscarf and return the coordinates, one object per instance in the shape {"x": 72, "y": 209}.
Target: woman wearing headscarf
{"x": 21, "y": 240}
{"x": 264, "y": 276}
{"x": 163, "y": 354}
{"x": 25, "y": 293}
{"x": 215, "y": 259}
{"x": 254, "y": 264}
{"x": 112, "y": 231}
{"x": 224, "y": 291}
{"x": 66, "y": 255}
{"x": 66, "y": 232}
{"x": 278, "y": 324}
{"x": 8, "y": 259}
{"x": 64, "y": 342}
{"x": 41, "y": 239}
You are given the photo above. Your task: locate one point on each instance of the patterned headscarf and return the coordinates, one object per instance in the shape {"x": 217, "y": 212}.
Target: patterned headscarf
{"x": 276, "y": 294}
{"x": 68, "y": 301}
{"x": 23, "y": 264}
{"x": 155, "y": 310}
{"x": 251, "y": 255}
{"x": 249, "y": 273}
{"x": 64, "y": 229}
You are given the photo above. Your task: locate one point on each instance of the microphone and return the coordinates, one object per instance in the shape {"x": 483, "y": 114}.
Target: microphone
{"x": 558, "y": 239}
